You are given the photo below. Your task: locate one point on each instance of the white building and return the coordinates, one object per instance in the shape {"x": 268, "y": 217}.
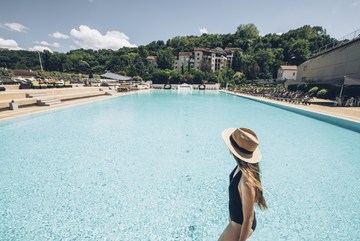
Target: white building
{"x": 287, "y": 72}
{"x": 184, "y": 61}
{"x": 219, "y": 58}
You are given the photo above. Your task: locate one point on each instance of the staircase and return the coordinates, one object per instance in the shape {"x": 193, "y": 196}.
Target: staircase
{"x": 35, "y": 95}
{"x": 48, "y": 101}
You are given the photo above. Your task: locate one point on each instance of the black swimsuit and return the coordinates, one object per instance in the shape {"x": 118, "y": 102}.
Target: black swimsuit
{"x": 235, "y": 205}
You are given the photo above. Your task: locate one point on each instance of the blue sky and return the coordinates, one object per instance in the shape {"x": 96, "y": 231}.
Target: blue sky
{"x": 62, "y": 25}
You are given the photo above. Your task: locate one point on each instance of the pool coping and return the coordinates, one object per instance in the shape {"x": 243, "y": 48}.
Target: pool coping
{"x": 65, "y": 105}
{"x": 350, "y": 124}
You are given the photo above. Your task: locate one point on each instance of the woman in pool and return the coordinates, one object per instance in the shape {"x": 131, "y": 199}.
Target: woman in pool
{"x": 245, "y": 187}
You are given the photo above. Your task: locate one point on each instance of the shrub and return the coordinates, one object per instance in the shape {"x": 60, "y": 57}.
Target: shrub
{"x": 313, "y": 90}
{"x": 322, "y": 93}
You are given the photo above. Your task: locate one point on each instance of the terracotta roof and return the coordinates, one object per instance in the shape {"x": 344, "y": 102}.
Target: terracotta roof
{"x": 203, "y": 49}
{"x": 185, "y": 53}
{"x": 218, "y": 50}
{"x": 232, "y": 49}
{"x": 24, "y": 73}
{"x": 288, "y": 67}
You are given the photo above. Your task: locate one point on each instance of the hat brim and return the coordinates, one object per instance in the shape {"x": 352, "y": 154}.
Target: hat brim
{"x": 255, "y": 157}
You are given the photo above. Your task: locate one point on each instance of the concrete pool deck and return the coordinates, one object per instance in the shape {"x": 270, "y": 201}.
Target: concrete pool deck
{"x": 317, "y": 106}
{"x": 10, "y": 114}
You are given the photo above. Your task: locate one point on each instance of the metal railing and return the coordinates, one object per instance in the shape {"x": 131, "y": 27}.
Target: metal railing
{"x": 341, "y": 41}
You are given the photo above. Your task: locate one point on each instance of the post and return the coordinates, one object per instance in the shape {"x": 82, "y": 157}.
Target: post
{"x": 342, "y": 88}
{"x": 40, "y": 61}
{"x": 13, "y": 105}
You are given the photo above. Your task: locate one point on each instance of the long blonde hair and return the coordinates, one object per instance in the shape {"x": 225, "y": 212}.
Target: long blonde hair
{"x": 252, "y": 173}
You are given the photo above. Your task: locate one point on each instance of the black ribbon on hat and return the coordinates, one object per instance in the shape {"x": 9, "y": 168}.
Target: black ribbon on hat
{"x": 234, "y": 144}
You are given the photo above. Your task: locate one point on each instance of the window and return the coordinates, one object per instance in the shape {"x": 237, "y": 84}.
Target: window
{"x": 294, "y": 74}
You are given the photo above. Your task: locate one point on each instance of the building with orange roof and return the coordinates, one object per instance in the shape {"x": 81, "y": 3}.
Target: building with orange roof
{"x": 286, "y": 72}
{"x": 152, "y": 61}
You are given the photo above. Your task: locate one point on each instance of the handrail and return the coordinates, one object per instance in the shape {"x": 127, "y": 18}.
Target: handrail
{"x": 341, "y": 41}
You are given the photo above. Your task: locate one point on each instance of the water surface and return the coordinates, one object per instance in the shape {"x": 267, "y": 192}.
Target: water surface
{"x": 152, "y": 166}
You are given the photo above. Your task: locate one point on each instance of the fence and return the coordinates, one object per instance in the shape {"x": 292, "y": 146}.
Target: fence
{"x": 347, "y": 38}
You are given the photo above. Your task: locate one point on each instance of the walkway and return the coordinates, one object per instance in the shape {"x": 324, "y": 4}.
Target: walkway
{"x": 317, "y": 105}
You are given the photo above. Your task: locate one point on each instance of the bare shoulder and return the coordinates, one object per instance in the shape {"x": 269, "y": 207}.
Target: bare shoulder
{"x": 246, "y": 188}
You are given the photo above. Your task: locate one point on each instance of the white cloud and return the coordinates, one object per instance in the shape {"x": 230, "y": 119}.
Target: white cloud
{"x": 203, "y": 30}
{"x": 9, "y": 44}
{"x": 55, "y": 44}
{"x": 59, "y": 35}
{"x": 88, "y": 38}
{"x": 40, "y": 48}
{"x": 17, "y": 27}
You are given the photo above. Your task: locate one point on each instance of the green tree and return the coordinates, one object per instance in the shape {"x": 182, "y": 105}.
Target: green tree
{"x": 236, "y": 62}
{"x": 165, "y": 59}
{"x": 131, "y": 70}
{"x": 198, "y": 76}
{"x": 161, "y": 76}
{"x": 205, "y": 66}
{"x": 299, "y": 51}
{"x": 265, "y": 58}
{"x": 247, "y": 31}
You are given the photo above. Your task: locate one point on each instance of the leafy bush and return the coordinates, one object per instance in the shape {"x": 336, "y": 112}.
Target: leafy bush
{"x": 313, "y": 91}
{"x": 322, "y": 93}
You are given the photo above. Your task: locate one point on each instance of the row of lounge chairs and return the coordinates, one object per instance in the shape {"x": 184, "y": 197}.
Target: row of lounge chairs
{"x": 38, "y": 85}
{"x": 297, "y": 97}
{"x": 350, "y": 102}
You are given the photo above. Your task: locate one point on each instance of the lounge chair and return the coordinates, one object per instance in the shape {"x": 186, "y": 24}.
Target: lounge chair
{"x": 35, "y": 85}
{"x": 306, "y": 99}
{"x": 350, "y": 102}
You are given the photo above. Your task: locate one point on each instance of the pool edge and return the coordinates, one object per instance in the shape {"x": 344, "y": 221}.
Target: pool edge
{"x": 352, "y": 125}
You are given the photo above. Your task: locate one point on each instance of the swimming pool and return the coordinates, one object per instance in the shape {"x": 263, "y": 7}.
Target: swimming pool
{"x": 152, "y": 166}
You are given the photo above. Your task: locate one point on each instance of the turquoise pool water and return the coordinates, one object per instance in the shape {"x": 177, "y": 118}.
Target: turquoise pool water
{"x": 152, "y": 166}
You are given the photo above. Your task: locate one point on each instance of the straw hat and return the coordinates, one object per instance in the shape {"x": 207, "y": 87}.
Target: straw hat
{"x": 242, "y": 143}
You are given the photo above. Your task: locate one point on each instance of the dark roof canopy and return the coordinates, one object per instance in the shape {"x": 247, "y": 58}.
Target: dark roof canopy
{"x": 268, "y": 82}
{"x": 351, "y": 81}
{"x": 336, "y": 81}
{"x": 110, "y": 75}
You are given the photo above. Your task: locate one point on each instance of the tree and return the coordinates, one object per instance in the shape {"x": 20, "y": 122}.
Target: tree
{"x": 247, "y": 31}
{"x": 161, "y": 77}
{"x": 131, "y": 70}
{"x": 165, "y": 59}
{"x": 265, "y": 58}
{"x": 205, "y": 66}
{"x": 236, "y": 62}
{"x": 57, "y": 61}
{"x": 198, "y": 76}
{"x": 213, "y": 78}
{"x": 299, "y": 51}
{"x": 174, "y": 77}
{"x": 237, "y": 77}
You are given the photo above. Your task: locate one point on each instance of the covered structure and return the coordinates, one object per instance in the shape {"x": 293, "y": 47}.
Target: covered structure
{"x": 346, "y": 81}
{"x": 117, "y": 77}
{"x": 341, "y": 82}
{"x": 268, "y": 82}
